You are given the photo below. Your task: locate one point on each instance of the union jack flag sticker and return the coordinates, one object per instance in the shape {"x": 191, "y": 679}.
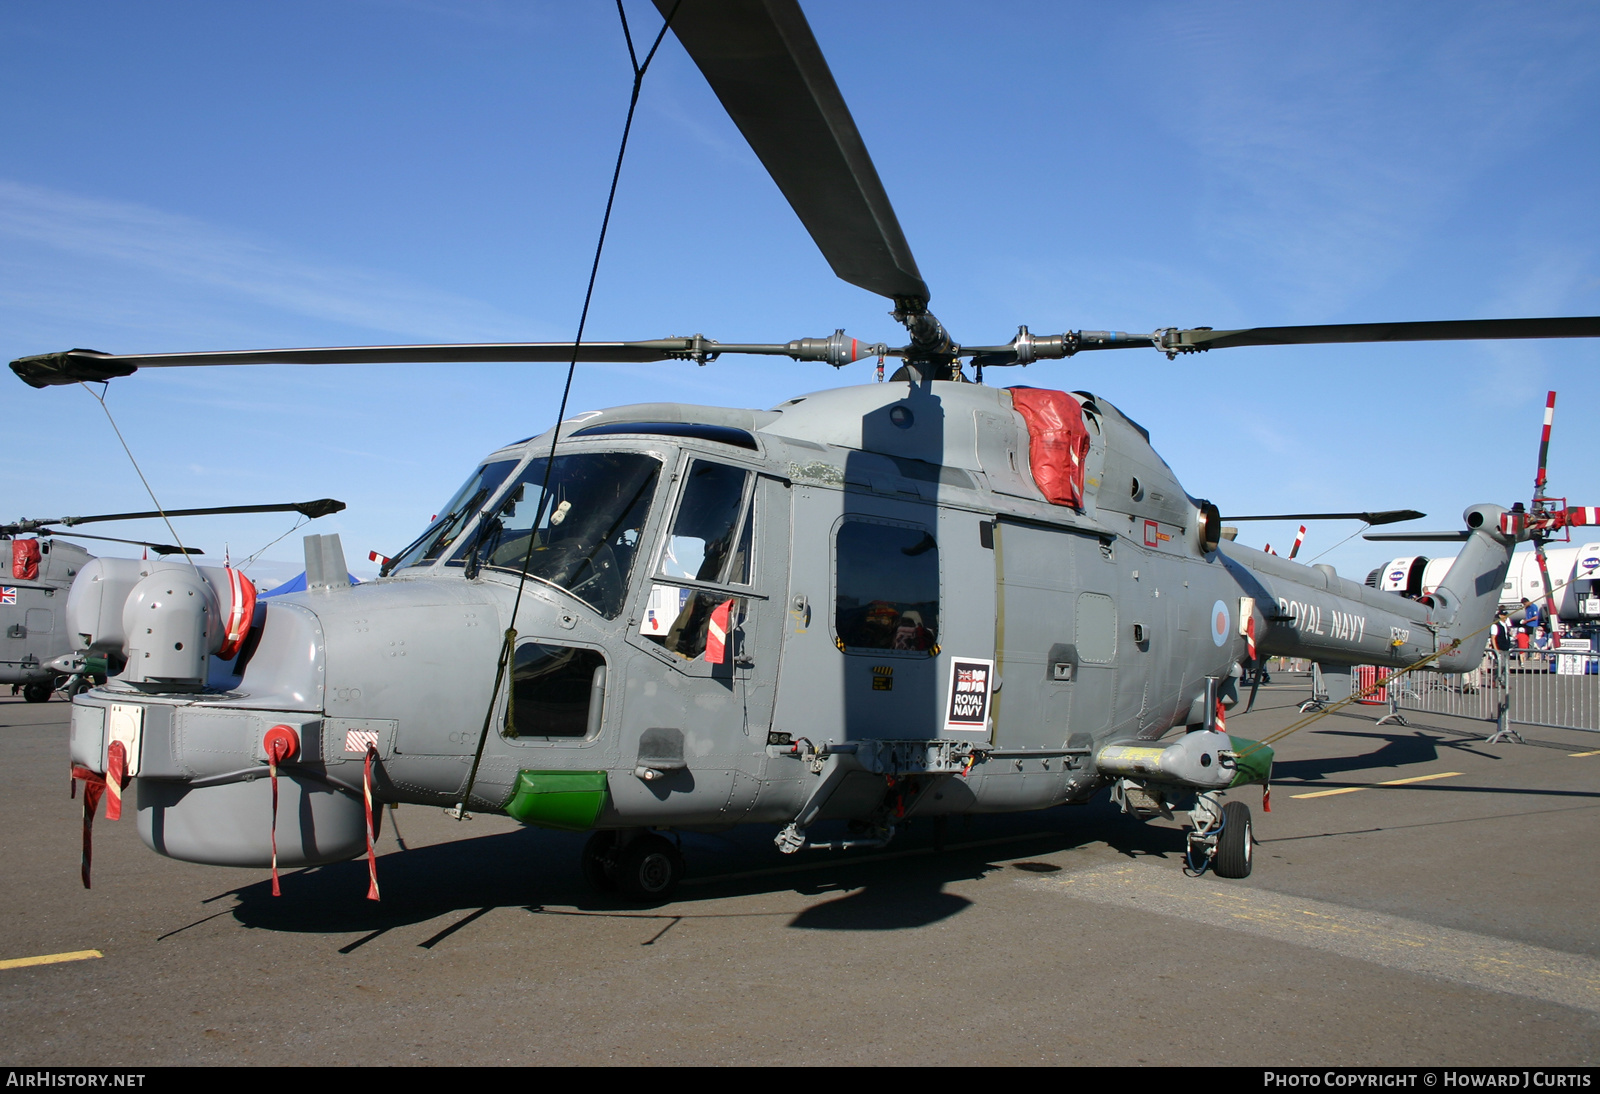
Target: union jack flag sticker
{"x": 8, "y": 594}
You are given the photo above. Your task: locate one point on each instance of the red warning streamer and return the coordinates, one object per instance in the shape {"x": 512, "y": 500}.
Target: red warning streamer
{"x": 372, "y": 857}
{"x": 93, "y": 786}
{"x": 280, "y": 744}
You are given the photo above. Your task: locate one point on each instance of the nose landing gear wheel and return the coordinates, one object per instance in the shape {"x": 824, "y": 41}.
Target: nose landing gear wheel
{"x": 648, "y": 870}
{"x": 1236, "y": 842}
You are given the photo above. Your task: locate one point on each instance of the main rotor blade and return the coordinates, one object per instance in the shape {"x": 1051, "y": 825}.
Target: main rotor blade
{"x": 158, "y": 548}
{"x": 1449, "y": 330}
{"x": 1387, "y": 516}
{"x": 763, "y": 62}
{"x": 1419, "y": 537}
{"x": 320, "y": 508}
{"x": 91, "y": 366}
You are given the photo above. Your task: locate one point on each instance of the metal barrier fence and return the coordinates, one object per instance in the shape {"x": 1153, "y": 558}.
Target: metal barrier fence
{"x": 1557, "y": 689}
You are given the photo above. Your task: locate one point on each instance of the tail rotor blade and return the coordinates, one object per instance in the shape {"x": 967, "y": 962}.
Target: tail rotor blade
{"x": 1539, "y": 478}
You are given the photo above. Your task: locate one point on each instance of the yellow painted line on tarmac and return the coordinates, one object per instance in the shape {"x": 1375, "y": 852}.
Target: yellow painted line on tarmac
{"x": 1422, "y": 778}
{"x": 1391, "y": 782}
{"x": 49, "y": 959}
{"x": 1596, "y": 752}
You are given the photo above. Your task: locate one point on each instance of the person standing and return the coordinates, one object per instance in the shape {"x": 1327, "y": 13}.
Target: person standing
{"x": 1500, "y": 632}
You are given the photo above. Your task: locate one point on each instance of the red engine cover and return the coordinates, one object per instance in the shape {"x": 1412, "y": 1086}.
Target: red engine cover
{"x": 1058, "y": 442}
{"x": 25, "y": 559}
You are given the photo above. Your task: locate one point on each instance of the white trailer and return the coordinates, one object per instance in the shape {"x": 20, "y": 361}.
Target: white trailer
{"x": 1574, "y": 571}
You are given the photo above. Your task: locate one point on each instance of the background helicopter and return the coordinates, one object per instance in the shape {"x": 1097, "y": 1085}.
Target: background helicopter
{"x": 39, "y": 560}
{"x": 1344, "y": 165}
{"x": 769, "y": 72}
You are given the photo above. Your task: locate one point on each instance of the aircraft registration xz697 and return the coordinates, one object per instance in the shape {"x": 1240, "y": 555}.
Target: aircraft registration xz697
{"x": 917, "y": 598}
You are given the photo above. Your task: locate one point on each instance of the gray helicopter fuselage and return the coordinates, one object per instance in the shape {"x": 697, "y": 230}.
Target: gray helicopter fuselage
{"x": 864, "y": 553}
{"x": 33, "y": 629}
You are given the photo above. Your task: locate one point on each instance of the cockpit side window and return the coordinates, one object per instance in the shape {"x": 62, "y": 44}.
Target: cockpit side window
{"x": 447, "y": 526}
{"x": 710, "y": 541}
{"x": 887, "y": 593}
{"x": 702, "y": 537}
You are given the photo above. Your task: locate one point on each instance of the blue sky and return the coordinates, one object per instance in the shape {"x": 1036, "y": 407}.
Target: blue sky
{"x": 201, "y": 176}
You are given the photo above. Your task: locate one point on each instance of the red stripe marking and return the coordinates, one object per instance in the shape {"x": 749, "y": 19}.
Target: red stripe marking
{"x": 116, "y": 776}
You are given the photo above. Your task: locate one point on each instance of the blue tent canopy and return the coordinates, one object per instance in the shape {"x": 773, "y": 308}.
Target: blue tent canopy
{"x": 297, "y": 584}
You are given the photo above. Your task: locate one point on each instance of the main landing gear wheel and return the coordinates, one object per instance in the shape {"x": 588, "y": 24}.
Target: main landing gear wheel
{"x": 596, "y": 862}
{"x": 37, "y": 693}
{"x": 648, "y": 869}
{"x": 1235, "y": 843}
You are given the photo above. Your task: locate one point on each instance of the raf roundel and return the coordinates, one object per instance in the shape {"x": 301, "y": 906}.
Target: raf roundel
{"x": 1219, "y": 623}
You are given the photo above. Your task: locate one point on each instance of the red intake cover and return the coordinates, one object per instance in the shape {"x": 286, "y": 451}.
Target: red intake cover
{"x": 1058, "y": 442}
{"x": 25, "y": 559}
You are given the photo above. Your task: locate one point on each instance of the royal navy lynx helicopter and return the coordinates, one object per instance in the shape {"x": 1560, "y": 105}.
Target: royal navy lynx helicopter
{"x": 918, "y": 598}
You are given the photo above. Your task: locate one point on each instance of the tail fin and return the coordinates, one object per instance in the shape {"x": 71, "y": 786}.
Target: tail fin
{"x": 1470, "y": 593}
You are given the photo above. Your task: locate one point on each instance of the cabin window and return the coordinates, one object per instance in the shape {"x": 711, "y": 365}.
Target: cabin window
{"x": 887, "y": 587}
{"x": 556, "y": 691}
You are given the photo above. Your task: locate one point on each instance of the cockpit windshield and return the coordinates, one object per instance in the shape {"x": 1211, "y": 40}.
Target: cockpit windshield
{"x": 455, "y": 516}
{"x": 582, "y": 534}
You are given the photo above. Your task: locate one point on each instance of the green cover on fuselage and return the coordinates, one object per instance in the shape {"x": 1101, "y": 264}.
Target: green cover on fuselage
{"x": 568, "y": 800}
{"x": 1254, "y": 760}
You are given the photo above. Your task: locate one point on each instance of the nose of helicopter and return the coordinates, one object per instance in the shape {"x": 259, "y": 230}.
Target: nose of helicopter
{"x": 405, "y": 652}
{"x": 394, "y": 666}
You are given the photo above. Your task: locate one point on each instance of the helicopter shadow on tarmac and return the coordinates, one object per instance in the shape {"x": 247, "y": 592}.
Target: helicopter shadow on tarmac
{"x": 1400, "y": 749}
{"x": 901, "y": 889}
